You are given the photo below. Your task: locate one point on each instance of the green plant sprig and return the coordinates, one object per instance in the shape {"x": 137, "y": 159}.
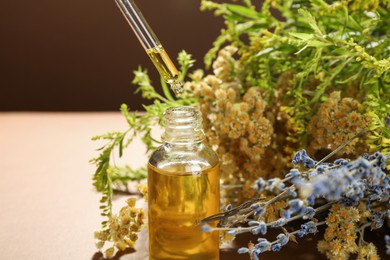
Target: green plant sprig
{"x": 324, "y": 47}
{"x": 337, "y": 46}
{"x": 107, "y": 175}
{"x": 121, "y": 176}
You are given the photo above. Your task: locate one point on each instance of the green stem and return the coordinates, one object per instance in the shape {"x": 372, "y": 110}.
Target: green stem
{"x": 166, "y": 91}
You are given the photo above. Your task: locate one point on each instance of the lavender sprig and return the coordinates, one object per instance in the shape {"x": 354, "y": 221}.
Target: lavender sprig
{"x": 345, "y": 182}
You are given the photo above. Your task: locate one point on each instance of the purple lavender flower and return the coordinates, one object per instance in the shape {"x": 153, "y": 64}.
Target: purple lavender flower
{"x": 302, "y": 157}
{"x": 344, "y": 182}
{"x": 259, "y": 211}
{"x": 301, "y": 233}
{"x": 275, "y": 185}
{"x": 262, "y": 246}
{"x": 377, "y": 219}
{"x": 282, "y": 239}
{"x": 276, "y": 247}
{"x": 253, "y": 223}
{"x": 263, "y": 228}
{"x": 387, "y": 241}
{"x": 341, "y": 161}
{"x": 243, "y": 250}
{"x": 256, "y": 231}
{"x": 347, "y": 202}
{"x": 228, "y": 207}
{"x": 292, "y": 193}
{"x": 206, "y": 228}
{"x": 307, "y": 228}
{"x": 259, "y": 227}
{"x": 310, "y": 200}
{"x": 309, "y": 214}
{"x": 297, "y": 157}
{"x": 260, "y": 185}
{"x": 362, "y": 167}
{"x": 232, "y": 232}
{"x": 376, "y": 192}
{"x": 386, "y": 183}
{"x": 355, "y": 192}
{"x": 321, "y": 168}
{"x": 279, "y": 222}
{"x": 296, "y": 206}
{"x": 293, "y": 173}
{"x": 287, "y": 214}
{"x": 331, "y": 185}
{"x": 381, "y": 160}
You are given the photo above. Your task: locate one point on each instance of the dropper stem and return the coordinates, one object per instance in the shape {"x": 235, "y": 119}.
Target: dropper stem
{"x": 151, "y": 44}
{"x": 138, "y": 23}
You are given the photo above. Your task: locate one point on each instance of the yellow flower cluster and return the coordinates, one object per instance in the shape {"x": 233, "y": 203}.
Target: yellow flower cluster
{"x": 338, "y": 120}
{"x": 236, "y": 125}
{"x": 370, "y": 5}
{"x": 341, "y": 233}
{"x": 122, "y": 229}
{"x": 368, "y": 251}
{"x": 224, "y": 65}
{"x": 274, "y": 211}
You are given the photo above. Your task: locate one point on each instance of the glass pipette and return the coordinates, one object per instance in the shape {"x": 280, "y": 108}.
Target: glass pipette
{"x": 151, "y": 44}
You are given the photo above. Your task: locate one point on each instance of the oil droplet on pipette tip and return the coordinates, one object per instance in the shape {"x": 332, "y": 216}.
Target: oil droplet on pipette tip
{"x": 177, "y": 87}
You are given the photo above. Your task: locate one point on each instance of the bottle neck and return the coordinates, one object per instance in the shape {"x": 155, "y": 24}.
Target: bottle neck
{"x": 183, "y": 126}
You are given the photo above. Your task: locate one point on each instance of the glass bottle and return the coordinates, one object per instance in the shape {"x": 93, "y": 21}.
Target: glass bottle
{"x": 183, "y": 188}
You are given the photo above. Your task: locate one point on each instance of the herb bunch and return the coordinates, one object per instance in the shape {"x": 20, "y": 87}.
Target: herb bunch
{"x": 298, "y": 57}
{"x": 356, "y": 194}
{"x": 281, "y": 77}
{"x": 109, "y": 177}
{"x": 122, "y": 231}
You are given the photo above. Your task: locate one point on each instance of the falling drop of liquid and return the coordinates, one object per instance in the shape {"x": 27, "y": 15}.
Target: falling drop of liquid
{"x": 177, "y": 87}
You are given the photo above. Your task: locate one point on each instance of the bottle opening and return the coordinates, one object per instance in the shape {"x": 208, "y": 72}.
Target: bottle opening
{"x": 182, "y": 124}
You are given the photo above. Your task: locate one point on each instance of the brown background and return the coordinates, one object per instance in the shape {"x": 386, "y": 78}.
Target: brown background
{"x": 79, "y": 55}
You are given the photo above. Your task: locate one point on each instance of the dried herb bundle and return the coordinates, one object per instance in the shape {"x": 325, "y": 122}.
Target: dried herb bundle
{"x": 285, "y": 76}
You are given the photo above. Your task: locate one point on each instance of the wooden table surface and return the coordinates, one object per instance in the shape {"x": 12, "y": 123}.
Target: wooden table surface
{"x": 49, "y": 208}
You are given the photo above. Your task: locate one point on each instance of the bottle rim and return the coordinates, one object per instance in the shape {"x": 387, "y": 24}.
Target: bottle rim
{"x": 182, "y": 124}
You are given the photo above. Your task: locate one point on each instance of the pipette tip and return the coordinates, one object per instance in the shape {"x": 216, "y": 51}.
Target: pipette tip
{"x": 177, "y": 87}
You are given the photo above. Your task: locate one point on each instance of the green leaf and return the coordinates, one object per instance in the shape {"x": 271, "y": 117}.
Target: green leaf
{"x": 353, "y": 24}
{"x": 315, "y": 43}
{"x": 265, "y": 51}
{"x": 120, "y": 141}
{"x": 130, "y": 118}
{"x": 310, "y": 20}
{"x": 302, "y": 36}
{"x": 242, "y": 27}
{"x": 185, "y": 60}
{"x": 166, "y": 90}
{"x": 243, "y": 11}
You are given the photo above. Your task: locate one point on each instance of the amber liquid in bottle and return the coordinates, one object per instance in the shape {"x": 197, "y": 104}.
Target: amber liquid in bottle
{"x": 177, "y": 201}
{"x": 183, "y": 188}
